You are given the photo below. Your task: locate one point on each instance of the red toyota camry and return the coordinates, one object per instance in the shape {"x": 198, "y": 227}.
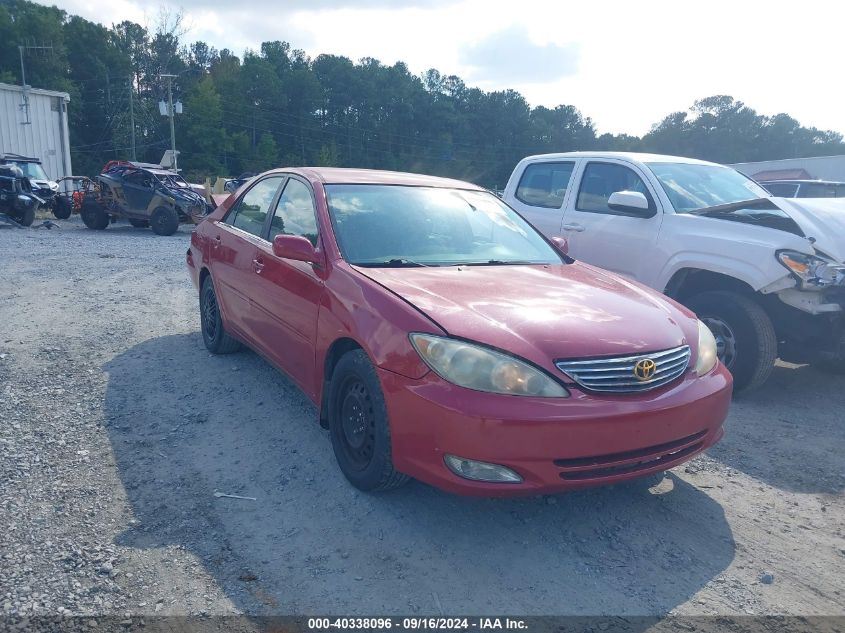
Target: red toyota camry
{"x": 443, "y": 338}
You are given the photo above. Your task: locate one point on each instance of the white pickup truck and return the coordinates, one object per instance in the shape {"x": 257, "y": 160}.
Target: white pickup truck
{"x": 767, "y": 275}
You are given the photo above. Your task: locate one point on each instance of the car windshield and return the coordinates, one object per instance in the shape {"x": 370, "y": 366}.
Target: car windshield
{"x": 32, "y": 170}
{"x": 395, "y": 225}
{"x": 691, "y": 187}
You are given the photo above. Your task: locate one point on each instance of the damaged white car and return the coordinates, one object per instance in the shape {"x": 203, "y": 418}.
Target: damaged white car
{"x": 766, "y": 274}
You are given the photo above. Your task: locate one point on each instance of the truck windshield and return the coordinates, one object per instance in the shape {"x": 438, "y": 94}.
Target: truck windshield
{"x": 394, "y": 225}
{"x": 691, "y": 187}
{"x": 33, "y": 171}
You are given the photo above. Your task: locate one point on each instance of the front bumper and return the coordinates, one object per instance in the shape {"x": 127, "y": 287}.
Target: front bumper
{"x": 553, "y": 444}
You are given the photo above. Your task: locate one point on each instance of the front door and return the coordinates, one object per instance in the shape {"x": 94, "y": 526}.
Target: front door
{"x": 288, "y": 292}
{"x": 615, "y": 240}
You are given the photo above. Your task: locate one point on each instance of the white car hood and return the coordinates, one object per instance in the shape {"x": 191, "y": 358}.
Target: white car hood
{"x": 819, "y": 218}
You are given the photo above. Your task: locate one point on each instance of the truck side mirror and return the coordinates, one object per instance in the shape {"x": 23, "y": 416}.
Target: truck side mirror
{"x": 632, "y": 202}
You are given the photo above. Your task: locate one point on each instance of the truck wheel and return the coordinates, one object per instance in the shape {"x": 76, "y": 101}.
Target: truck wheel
{"x": 27, "y": 217}
{"x": 93, "y": 215}
{"x": 164, "y": 220}
{"x": 745, "y": 336}
{"x": 214, "y": 335}
{"x": 359, "y": 426}
{"x": 62, "y": 208}
{"x": 139, "y": 224}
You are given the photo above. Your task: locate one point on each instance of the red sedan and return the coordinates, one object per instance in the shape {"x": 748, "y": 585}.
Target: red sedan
{"x": 443, "y": 338}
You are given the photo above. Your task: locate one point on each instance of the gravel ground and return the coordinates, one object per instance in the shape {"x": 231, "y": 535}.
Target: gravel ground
{"x": 117, "y": 428}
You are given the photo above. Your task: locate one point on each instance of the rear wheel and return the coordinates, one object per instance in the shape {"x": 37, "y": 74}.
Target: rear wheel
{"x": 62, "y": 207}
{"x": 93, "y": 215}
{"x": 745, "y": 337}
{"x": 164, "y": 220}
{"x": 213, "y": 333}
{"x": 139, "y": 224}
{"x": 359, "y": 426}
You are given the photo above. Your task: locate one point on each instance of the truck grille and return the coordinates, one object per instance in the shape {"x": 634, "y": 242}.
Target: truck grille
{"x": 618, "y": 374}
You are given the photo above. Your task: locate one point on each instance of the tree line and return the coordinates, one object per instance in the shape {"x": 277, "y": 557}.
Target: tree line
{"x": 277, "y": 106}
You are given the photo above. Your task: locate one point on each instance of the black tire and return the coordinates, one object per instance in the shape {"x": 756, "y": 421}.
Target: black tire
{"x": 62, "y": 208}
{"x": 27, "y": 217}
{"x": 214, "y": 335}
{"x": 93, "y": 215}
{"x": 359, "y": 426}
{"x": 164, "y": 221}
{"x": 751, "y": 352}
{"x": 139, "y": 224}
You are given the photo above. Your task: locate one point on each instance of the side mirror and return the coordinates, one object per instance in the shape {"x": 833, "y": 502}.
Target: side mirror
{"x": 632, "y": 202}
{"x": 294, "y": 247}
{"x": 561, "y": 244}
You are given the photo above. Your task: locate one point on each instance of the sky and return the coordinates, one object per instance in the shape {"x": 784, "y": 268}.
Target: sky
{"x": 624, "y": 63}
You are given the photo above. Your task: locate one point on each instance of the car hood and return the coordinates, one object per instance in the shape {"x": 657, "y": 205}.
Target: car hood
{"x": 819, "y": 218}
{"x": 543, "y": 313}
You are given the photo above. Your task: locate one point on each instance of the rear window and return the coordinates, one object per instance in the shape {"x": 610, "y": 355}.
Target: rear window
{"x": 544, "y": 184}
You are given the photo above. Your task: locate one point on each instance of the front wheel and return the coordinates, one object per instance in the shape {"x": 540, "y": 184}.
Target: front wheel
{"x": 164, "y": 220}
{"x": 93, "y": 215}
{"x": 27, "y": 217}
{"x": 359, "y": 426}
{"x": 745, "y": 337}
{"x": 62, "y": 207}
{"x": 214, "y": 335}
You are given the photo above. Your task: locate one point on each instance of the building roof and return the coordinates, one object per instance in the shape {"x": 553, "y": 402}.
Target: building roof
{"x": 35, "y": 91}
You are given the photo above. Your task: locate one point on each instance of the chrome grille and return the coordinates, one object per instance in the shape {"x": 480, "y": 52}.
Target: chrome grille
{"x": 616, "y": 374}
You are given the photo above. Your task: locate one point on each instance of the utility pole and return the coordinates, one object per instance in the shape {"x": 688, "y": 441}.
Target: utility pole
{"x": 132, "y": 117}
{"x": 25, "y": 92}
{"x": 172, "y": 116}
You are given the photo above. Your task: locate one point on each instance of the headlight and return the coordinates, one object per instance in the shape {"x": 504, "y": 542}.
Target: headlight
{"x": 812, "y": 270}
{"x": 482, "y": 369}
{"x": 707, "y": 355}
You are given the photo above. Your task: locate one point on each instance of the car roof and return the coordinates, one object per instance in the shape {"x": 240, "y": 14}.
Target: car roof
{"x": 629, "y": 156}
{"x": 349, "y": 176}
{"x": 19, "y": 158}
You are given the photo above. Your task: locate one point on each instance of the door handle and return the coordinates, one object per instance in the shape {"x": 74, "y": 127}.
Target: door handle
{"x": 216, "y": 241}
{"x": 578, "y": 228}
{"x": 258, "y": 265}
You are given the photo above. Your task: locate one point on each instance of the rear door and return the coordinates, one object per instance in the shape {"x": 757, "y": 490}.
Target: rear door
{"x": 615, "y": 240}
{"x": 541, "y": 193}
{"x": 288, "y": 292}
{"x": 234, "y": 246}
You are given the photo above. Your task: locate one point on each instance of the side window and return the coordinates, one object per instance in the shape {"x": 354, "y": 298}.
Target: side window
{"x": 817, "y": 190}
{"x": 295, "y": 213}
{"x": 780, "y": 189}
{"x": 250, "y": 212}
{"x": 602, "y": 179}
{"x": 544, "y": 184}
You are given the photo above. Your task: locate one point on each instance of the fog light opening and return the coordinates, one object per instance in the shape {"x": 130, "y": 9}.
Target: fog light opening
{"x": 481, "y": 471}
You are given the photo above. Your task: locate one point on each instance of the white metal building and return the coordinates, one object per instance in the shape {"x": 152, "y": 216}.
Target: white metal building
{"x": 816, "y": 168}
{"x": 40, "y": 131}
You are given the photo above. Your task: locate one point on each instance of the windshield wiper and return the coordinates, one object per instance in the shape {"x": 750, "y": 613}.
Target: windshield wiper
{"x": 497, "y": 262}
{"x": 395, "y": 263}
{"x": 732, "y": 206}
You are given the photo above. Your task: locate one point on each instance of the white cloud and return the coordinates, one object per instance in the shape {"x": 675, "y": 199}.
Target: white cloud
{"x": 624, "y": 64}
{"x": 512, "y": 56}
